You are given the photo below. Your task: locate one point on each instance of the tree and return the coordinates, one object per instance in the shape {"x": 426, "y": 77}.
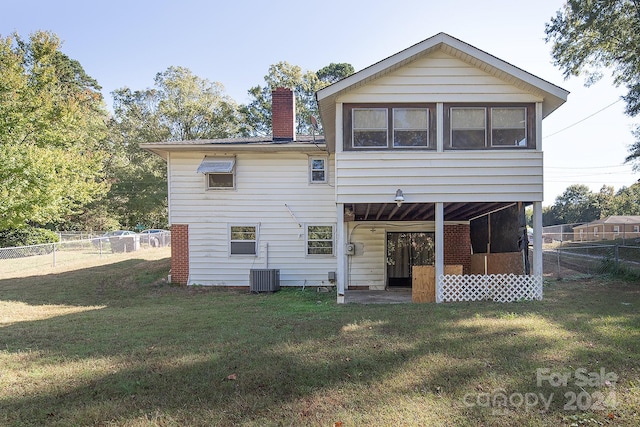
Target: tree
{"x": 576, "y": 204}
{"x": 257, "y": 114}
{"x": 627, "y": 201}
{"x": 52, "y": 128}
{"x": 180, "y": 106}
{"x": 590, "y": 35}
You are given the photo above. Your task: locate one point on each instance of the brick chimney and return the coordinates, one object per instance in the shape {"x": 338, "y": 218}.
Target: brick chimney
{"x": 283, "y": 114}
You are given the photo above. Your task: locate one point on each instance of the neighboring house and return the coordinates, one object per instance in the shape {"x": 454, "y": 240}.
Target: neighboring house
{"x": 609, "y": 228}
{"x": 428, "y": 158}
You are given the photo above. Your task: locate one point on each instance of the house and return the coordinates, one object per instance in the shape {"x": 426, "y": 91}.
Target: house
{"x": 610, "y": 228}
{"x": 428, "y": 158}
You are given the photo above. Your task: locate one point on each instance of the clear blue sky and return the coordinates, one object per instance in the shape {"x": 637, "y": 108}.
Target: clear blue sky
{"x": 125, "y": 43}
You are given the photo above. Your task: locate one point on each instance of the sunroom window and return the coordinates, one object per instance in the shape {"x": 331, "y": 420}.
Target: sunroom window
{"x": 410, "y": 127}
{"x": 468, "y": 127}
{"x": 369, "y": 127}
{"x": 509, "y": 127}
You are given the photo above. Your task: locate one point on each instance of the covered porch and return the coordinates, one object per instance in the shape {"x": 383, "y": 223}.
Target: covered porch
{"x": 439, "y": 235}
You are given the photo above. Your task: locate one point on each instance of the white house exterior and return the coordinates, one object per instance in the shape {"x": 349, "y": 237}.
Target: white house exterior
{"x": 422, "y": 153}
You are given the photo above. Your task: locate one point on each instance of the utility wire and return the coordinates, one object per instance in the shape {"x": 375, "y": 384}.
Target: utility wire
{"x": 582, "y": 120}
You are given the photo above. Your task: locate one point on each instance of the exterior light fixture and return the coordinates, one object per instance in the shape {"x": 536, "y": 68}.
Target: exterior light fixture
{"x": 399, "y": 197}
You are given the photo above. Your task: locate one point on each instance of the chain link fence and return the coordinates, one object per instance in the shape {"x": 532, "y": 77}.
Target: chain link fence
{"x": 16, "y": 259}
{"x": 575, "y": 259}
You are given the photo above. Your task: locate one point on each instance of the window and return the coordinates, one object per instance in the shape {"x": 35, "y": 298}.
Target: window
{"x": 468, "y": 127}
{"x": 219, "y": 172}
{"x": 616, "y": 229}
{"x": 319, "y": 239}
{"x": 243, "y": 239}
{"x": 370, "y": 127}
{"x": 636, "y": 228}
{"x": 317, "y": 170}
{"x": 508, "y": 127}
{"x": 482, "y": 127}
{"x": 410, "y": 127}
{"x": 595, "y": 231}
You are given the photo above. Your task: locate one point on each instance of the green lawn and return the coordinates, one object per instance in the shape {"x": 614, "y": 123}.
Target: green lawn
{"x": 116, "y": 345}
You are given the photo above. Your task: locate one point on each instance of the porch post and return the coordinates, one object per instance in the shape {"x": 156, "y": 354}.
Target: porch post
{"x": 439, "y": 247}
{"x": 537, "y": 239}
{"x": 341, "y": 258}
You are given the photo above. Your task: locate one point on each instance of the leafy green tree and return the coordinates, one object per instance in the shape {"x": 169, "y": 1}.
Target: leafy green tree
{"x": 257, "y": 114}
{"x": 588, "y": 36}
{"x": 577, "y": 204}
{"x": 51, "y": 130}
{"x": 180, "y": 106}
{"x": 627, "y": 201}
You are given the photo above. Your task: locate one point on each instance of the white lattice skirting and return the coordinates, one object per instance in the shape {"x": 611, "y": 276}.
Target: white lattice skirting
{"x": 491, "y": 287}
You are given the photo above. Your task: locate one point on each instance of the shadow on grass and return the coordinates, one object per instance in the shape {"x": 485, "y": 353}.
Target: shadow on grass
{"x": 159, "y": 355}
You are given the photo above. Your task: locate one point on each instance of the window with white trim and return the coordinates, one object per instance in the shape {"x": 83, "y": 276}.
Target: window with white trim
{"x": 318, "y": 170}
{"x": 595, "y": 231}
{"x": 243, "y": 239}
{"x": 468, "y": 127}
{"x": 369, "y": 127}
{"x": 509, "y": 127}
{"x": 486, "y": 127}
{"x": 636, "y": 228}
{"x": 410, "y": 127}
{"x": 616, "y": 229}
{"x": 319, "y": 239}
{"x": 219, "y": 172}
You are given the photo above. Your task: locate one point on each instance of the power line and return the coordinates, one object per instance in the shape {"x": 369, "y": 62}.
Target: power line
{"x": 582, "y": 120}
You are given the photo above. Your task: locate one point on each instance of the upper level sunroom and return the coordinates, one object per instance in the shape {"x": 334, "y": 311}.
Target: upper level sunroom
{"x": 439, "y": 95}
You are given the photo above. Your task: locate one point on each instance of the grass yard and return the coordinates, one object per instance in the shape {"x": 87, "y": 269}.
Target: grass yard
{"x": 114, "y": 344}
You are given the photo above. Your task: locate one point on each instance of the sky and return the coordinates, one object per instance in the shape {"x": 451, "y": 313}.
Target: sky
{"x": 126, "y": 43}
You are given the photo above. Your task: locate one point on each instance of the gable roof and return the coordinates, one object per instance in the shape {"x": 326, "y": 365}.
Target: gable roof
{"x": 613, "y": 219}
{"x": 553, "y": 96}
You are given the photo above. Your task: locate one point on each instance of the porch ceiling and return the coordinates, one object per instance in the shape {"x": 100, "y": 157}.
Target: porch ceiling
{"x": 418, "y": 211}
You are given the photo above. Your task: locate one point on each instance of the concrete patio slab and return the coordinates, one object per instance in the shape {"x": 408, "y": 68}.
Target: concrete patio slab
{"x": 394, "y": 296}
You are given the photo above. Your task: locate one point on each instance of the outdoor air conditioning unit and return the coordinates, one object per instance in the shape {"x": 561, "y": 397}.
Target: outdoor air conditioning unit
{"x": 264, "y": 280}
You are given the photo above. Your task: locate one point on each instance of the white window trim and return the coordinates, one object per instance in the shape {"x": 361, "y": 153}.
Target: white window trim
{"x": 393, "y": 130}
{"x": 325, "y": 159}
{"x": 525, "y": 127}
{"x": 257, "y": 241}
{"x": 232, "y": 172}
{"x": 595, "y": 231}
{"x": 636, "y": 228}
{"x": 306, "y": 240}
{"x": 616, "y": 230}
{"x": 451, "y": 129}
{"x": 353, "y": 128}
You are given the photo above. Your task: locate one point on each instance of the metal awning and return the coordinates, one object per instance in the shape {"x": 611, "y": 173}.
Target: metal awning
{"x": 217, "y": 165}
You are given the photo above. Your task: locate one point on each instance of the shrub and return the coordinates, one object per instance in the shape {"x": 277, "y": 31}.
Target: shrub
{"x": 27, "y": 236}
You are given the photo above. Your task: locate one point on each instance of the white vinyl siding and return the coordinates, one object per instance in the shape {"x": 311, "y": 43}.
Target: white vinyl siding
{"x": 427, "y": 176}
{"x": 441, "y": 77}
{"x": 265, "y": 182}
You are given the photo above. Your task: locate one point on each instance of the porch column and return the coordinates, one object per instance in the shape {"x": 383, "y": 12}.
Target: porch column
{"x": 439, "y": 246}
{"x": 537, "y": 239}
{"x": 341, "y": 258}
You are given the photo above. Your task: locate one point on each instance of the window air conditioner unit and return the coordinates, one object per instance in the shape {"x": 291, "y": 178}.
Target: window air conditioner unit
{"x": 264, "y": 280}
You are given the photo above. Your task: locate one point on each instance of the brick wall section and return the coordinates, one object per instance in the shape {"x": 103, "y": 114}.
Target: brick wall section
{"x": 283, "y": 114}
{"x": 180, "y": 253}
{"x": 457, "y": 246}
